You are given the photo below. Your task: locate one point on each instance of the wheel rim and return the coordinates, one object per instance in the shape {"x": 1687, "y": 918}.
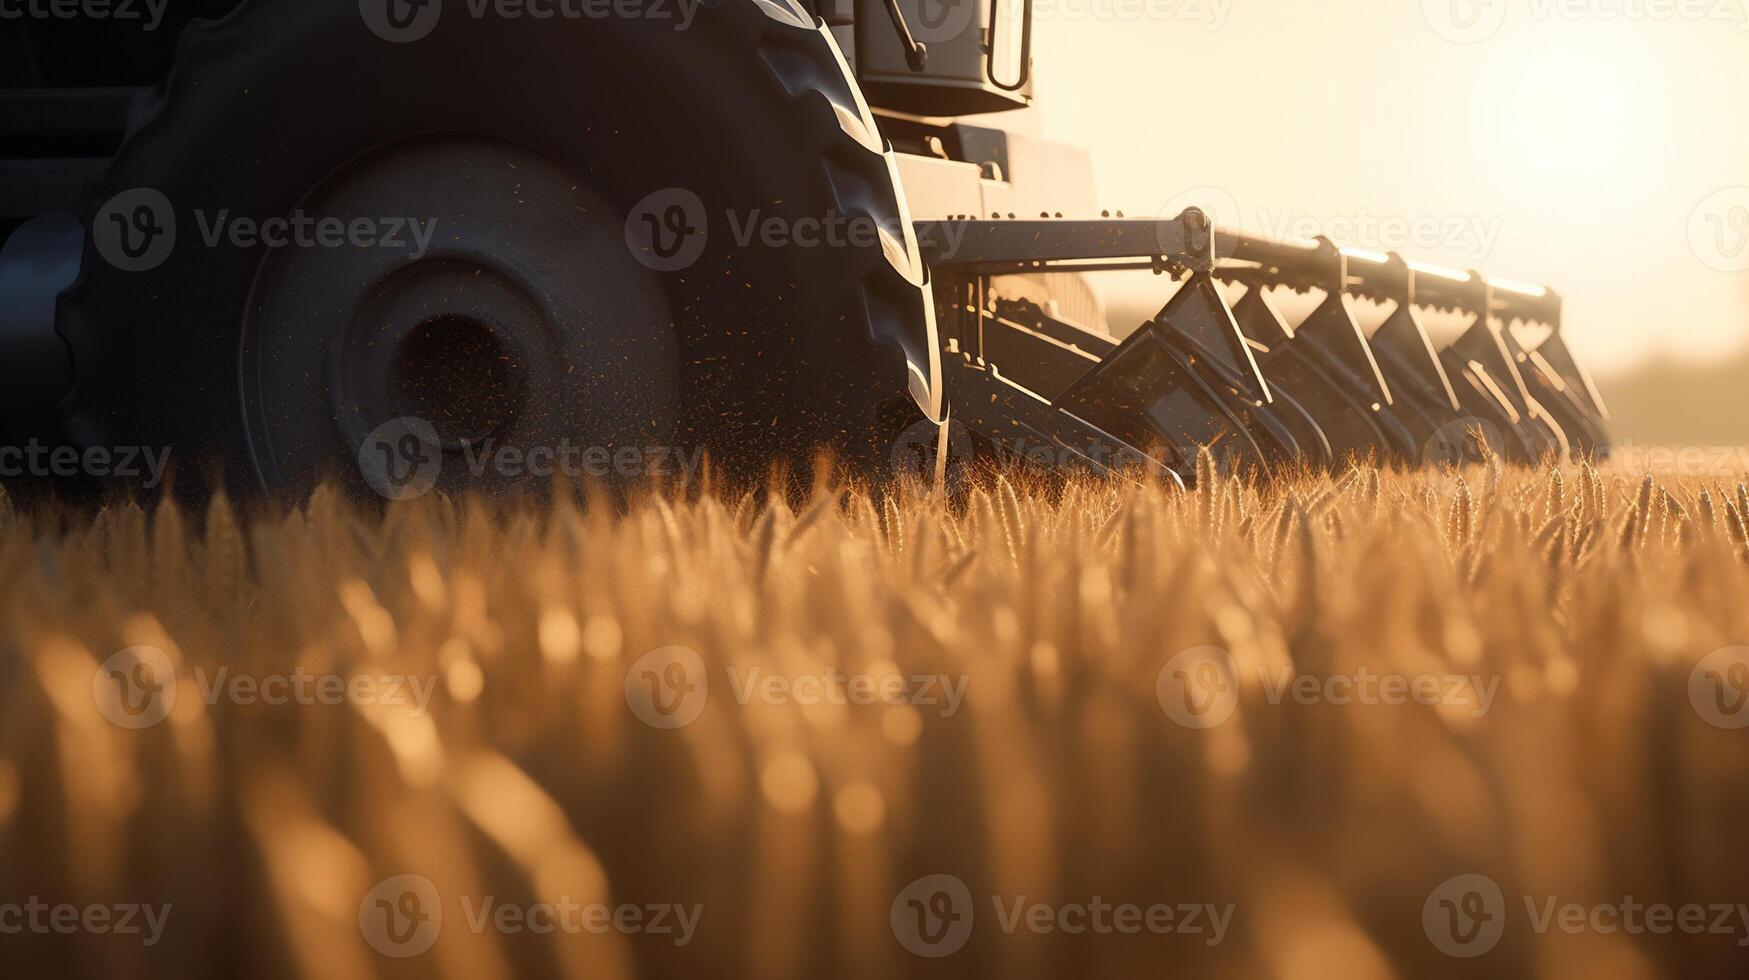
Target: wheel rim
{"x": 512, "y": 316}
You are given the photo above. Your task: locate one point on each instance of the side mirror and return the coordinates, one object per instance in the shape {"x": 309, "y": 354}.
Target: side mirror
{"x": 1010, "y": 44}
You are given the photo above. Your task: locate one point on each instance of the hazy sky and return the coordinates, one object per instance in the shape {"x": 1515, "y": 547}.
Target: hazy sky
{"x": 1600, "y": 146}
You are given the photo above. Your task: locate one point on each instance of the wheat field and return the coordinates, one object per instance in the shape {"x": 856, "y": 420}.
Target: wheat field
{"x": 1290, "y": 715}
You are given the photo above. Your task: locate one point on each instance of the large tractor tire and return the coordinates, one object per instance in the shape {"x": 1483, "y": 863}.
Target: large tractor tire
{"x": 598, "y": 249}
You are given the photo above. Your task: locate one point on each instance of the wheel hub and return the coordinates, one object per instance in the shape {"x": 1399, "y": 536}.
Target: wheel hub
{"x": 459, "y": 373}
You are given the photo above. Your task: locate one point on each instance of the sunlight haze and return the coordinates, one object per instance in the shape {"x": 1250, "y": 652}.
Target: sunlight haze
{"x": 1577, "y": 149}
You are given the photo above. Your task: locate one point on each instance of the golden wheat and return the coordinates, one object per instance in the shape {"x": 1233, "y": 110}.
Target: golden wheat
{"x": 1067, "y": 772}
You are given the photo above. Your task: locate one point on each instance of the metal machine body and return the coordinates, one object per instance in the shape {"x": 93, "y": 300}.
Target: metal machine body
{"x": 1008, "y": 227}
{"x": 1032, "y": 363}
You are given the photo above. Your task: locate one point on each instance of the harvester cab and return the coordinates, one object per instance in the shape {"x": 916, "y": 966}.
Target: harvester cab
{"x": 941, "y": 57}
{"x": 406, "y": 245}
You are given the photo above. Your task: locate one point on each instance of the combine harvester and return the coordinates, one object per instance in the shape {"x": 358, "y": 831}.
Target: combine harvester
{"x": 258, "y": 233}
